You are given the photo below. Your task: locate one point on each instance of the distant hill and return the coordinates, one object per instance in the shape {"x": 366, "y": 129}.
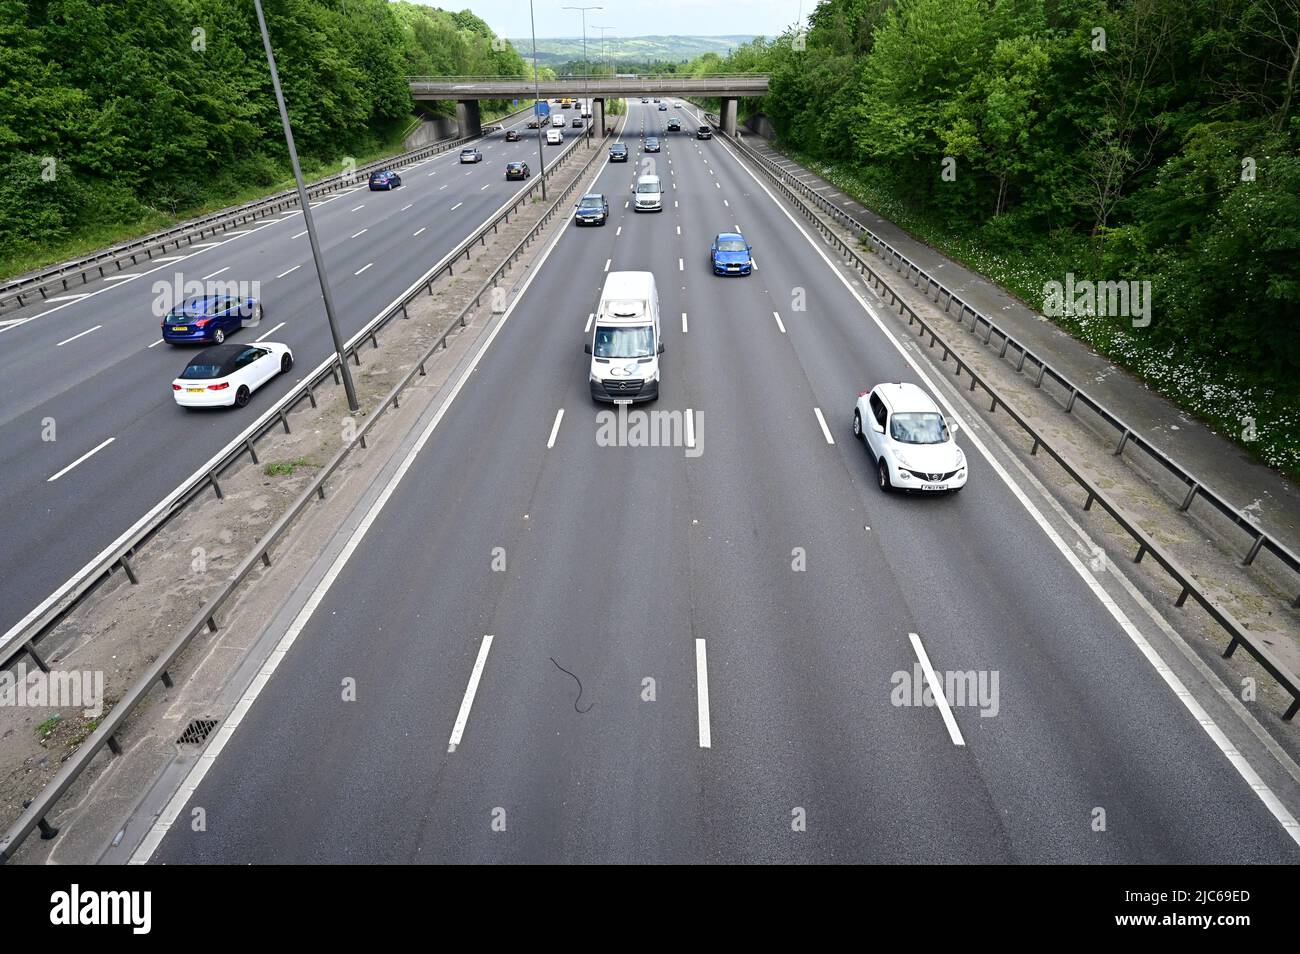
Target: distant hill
{"x": 640, "y": 49}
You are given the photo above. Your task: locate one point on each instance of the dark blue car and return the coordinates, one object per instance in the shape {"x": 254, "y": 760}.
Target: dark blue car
{"x": 209, "y": 319}
{"x": 730, "y": 254}
{"x": 384, "y": 179}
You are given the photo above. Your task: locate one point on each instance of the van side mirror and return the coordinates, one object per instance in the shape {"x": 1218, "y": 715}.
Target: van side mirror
{"x": 661, "y": 347}
{"x": 587, "y": 347}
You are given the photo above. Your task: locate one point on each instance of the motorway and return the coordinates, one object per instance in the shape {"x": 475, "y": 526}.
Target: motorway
{"x": 770, "y": 698}
{"x": 93, "y": 363}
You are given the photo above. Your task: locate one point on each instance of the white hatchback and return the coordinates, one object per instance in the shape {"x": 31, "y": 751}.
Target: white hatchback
{"x": 227, "y": 375}
{"x": 909, "y": 439}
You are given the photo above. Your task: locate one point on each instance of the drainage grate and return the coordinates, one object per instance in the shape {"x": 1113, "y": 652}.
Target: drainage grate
{"x": 197, "y": 732}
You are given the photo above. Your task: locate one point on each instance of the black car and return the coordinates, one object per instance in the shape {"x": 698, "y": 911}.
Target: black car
{"x": 592, "y": 209}
{"x": 618, "y": 152}
{"x": 517, "y": 170}
{"x": 577, "y": 122}
{"x": 512, "y": 135}
{"x": 704, "y": 132}
{"x": 674, "y": 125}
{"x": 651, "y": 144}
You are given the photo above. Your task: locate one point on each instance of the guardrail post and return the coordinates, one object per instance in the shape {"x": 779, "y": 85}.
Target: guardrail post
{"x": 48, "y": 831}
{"x": 212, "y": 479}
{"x": 1122, "y": 441}
{"x": 1292, "y": 709}
{"x": 126, "y": 568}
{"x": 1191, "y": 495}
{"x": 1069, "y": 405}
{"x": 1254, "y": 550}
{"x": 284, "y": 419}
{"x": 1142, "y": 551}
{"x": 114, "y": 746}
{"x": 248, "y": 445}
{"x": 41, "y": 664}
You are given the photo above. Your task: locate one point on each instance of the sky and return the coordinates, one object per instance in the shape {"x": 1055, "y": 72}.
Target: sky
{"x": 509, "y": 18}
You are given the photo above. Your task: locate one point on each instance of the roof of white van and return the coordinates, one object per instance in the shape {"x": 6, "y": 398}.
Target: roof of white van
{"x": 627, "y": 285}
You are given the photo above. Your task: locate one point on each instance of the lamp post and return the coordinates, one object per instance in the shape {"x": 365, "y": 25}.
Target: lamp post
{"x": 586, "y": 67}
{"x": 537, "y": 98}
{"x": 305, "y": 203}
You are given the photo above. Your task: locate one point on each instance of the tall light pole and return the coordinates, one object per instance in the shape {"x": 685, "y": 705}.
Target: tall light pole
{"x": 603, "y": 55}
{"x": 586, "y": 67}
{"x": 537, "y": 98}
{"x": 305, "y": 203}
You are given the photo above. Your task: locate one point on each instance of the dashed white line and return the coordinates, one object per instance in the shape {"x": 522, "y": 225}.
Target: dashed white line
{"x": 362, "y": 268}
{"x": 67, "y": 298}
{"x": 120, "y": 278}
{"x": 590, "y": 318}
{"x": 618, "y": 231}
{"x": 83, "y": 457}
{"x": 936, "y": 689}
{"x": 419, "y": 230}
{"x": 405, "y": 207}
{"x": 76, "y": 336}
{"x": 215, "y": 274}
{"x": 679, "y": 230}
{"x": 356, "y": 234}
{"x": 826, "y": 431}
{"x": 462, "y": 717}
{"x": 777, "y": 316}
{"x": 358, "y": 208}
{"x": 457, "y": 206}
{"x": 288, "y": 271}
{"x": 271, "y": 332}
{"x": 555, "y": 428}
{"x": 607, "y": 261}
{"x": 702, "y": 693}
{"x": 683, "y": 322}
{"x": 300, "y": 234}
{"x": 681, "y": 265}
{"x": 156, "y": 343}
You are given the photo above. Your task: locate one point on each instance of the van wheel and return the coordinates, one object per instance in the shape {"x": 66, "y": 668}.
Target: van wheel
{"x": 857, "y": 425}
{"x": 882, "y": 471}
{"x": 242, "y": 396}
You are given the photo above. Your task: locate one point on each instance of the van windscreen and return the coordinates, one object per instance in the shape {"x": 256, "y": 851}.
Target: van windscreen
{"x": 618, "y": 342}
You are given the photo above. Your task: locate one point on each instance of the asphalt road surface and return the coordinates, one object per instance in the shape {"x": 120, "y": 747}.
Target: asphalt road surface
{"x": 629, "y": 564}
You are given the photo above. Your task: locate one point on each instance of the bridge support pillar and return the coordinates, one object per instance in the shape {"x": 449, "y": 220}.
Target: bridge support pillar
{"x": 467, "y": 118}
{"x": 598, "y": 117}
{"x": 728, "y": 116}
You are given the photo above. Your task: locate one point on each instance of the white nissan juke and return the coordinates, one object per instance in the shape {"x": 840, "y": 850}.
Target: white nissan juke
{"x": 909, "y": 440}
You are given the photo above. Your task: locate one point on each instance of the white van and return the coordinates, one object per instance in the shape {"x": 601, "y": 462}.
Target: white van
{"x": 554, "y": 137}
{"x": 557, "y": 120}
{"x": 625, "y": 343}
{"x": 649, "y": 194}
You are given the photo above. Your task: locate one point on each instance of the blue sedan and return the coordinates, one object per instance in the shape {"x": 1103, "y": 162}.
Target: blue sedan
{"x": 384, "y": 179}
{"x": 208, "y": 319}
{"x": 730, "y": 254}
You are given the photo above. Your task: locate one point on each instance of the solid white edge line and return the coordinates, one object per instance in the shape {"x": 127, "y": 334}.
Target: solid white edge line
{"x": 936, "y": 690}
{"x": 180, "y": 798}
{"x": 702, "y": 694}
{"x": 826, "y": 431}
{"x": 462, "y": 717}
{"x": 1238, "y": 761}
{"x": 555, "y": 428}
{"x": 89, "y": 453}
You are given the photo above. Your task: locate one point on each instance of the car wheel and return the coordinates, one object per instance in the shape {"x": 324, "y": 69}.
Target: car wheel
{"x": 218, "y": 337}
{"x": 242, "y": 396}
{"x": 882, "y": 471}
{"x": 257, "y": 314}
{"x": 857, "y": 426}
{"x": 286, "y": 363}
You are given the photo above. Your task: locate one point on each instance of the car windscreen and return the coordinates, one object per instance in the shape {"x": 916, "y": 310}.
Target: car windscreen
{"x": 618, "y": 149}
{"x": 731, "y": 245}
{"x": 200, "y": 371}
{"x": 643, "y": 187}
{"x": 918, "y": 427}
{"x": 590, "y": 202}
{"x": 624, "y": 342}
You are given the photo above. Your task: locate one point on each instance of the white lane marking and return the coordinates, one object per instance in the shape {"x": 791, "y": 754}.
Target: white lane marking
{"x": 485, "y": 186}
{"x": 470, "y": 172}
{"x": 362, "y": 268}
{"x": 76, "y": 336}
{"x": 271, "y": 332}
{"x": 362, "y": 232}
{"x": 679, "y": 230}
{"x": 405, "y": 207}
{"x": 777, "y": 316}
{"x": 89, "y": 453}
{"x": 418, "y": 231}
{"x": 936, "y": 690}
{"x": 826, "y": 431}
{"x": 702, "y": 693}
{"x": 206, "y": 244}
{"x": 690, "y": 428}
{"x": 462, "y": 717}
{"x": 1225, "y": 746}
{"x": 118, "y": 278}
{"x": 169, "y": 258}
{"x": 674, "y": 203}
{"x": 457, "y": 206}
{"x": 289, "y": 215}
{"x": 726, "y": 203}
{"x": 625, "y": 204}
{"x": 156, "y": 343}
{"x": 607, "y": 261}
{"x": 441, "y": 187}
{"x": 753, "y": 263}
{"x": 358, "y": 208}
{"x": 555, "y": 428}
{"x": 294, "y": 269}
{"x": 590, "y": 319}
{"x": 215, "y": 274}
{"x": 618, "y": 231}
{"x": 300, "y": 234}
{"x": 717, "y": 185}
{"x": 681, "y": 265}
{"x": 435, "y": 172}
{"x": 68, "y": 297}
{"x": 683, "y": 322}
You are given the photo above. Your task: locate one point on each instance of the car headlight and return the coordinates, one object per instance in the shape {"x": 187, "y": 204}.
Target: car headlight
{"x": 900, "y": 460}
{"x": 961, "y": 458}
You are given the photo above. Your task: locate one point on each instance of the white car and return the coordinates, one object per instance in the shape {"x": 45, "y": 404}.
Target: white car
{"x": 909, "y": 439}
{"x": 227, "y": 375}
{"x": 554, "y": 137}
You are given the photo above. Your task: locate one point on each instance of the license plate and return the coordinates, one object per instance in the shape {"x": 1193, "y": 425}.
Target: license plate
{"x": 934, "y": 486}
{"x": 179, "y": 328}
{"x": 194, "y": 390}
{"x": 622, "y": 400}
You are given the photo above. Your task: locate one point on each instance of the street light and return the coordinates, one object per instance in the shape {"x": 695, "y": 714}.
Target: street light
{"x": 537, "y": 98}
{"x": 603, "y": 55}
{"x": 586, "y": 66}
{"x": 305, "y": 203}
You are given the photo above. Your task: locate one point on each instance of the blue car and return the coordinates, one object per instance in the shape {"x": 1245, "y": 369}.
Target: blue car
{"x": 730, "y": 254}
{"x": 208, "y": 319}
{"x": 384, "y": 179}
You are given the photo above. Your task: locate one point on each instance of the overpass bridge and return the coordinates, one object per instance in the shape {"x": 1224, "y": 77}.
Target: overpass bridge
{"x": 467, "y": 91}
